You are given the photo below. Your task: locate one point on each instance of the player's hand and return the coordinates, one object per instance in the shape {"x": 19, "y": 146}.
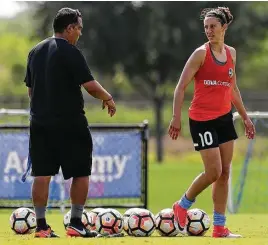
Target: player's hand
{"x": 110, "y": 105}
{"x": 249, "y": 128}
{"x": 174, "y": 127}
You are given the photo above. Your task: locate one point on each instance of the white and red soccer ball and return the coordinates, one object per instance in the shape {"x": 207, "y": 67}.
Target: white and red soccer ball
{"x": 126, "y": 217}
{"x": 109, "y": 222}
{"x": 85, "y": 219}
{"x": 198, "y": 222}
{"x": 92, "y": 216}
{"x": 165, "y": 222}
{"x": 23, "y": 221}
{"x": 141, "y": 223}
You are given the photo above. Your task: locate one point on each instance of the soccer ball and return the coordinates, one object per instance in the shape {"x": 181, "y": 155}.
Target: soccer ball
{"x": 126, "y": 216}
{"x": 198, "y": 222}
{"x": 165, "y": 223}
{"x": 23, "y": 221}
{"x": 108, "y": 222}
{"x": 92, "y": 216}
{"x": 85, "y": 219}
{"x": 141, "y": 223}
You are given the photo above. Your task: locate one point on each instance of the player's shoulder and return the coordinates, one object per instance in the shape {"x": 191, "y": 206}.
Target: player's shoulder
{"x": 199, "y": 54}
{"x": 201, "y": 50}
{"x": 232, "y": 50}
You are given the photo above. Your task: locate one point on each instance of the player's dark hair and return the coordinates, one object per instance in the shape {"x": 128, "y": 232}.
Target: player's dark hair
{"x": 223, "y": 14}
{"x": 65, "y": 17}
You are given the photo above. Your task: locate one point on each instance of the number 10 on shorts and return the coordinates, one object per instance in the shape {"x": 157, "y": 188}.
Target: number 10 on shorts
{"x": 206, "y": 138}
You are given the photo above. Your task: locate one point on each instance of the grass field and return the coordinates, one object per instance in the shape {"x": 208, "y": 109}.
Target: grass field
{"x": 167, "y": 182}
{"x": 253, "y": 227}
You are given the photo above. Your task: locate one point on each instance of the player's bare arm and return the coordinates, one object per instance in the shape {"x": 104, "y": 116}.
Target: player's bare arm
{"x": 238, "y": 103}
{"x": 236, "y": 97}
{"x": 97, "y": 91}
{"x": 191, "y": 67}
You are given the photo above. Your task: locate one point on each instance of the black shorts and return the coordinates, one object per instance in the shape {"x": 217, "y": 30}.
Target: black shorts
{"x": 212, "y": 133}
{"x": 65, "y": 146}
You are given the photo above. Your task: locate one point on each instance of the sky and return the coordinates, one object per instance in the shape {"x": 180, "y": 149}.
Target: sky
{"x": 8, "y": 9}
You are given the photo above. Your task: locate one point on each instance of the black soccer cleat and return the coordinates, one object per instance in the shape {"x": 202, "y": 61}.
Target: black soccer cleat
{"x": 45, "y": 233}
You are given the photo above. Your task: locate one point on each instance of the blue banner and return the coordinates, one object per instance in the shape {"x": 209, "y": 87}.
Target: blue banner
{"x": 116, "y": 168}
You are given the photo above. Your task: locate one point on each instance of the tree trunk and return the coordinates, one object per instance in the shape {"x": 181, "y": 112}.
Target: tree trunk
{"x": 158, "y": 106}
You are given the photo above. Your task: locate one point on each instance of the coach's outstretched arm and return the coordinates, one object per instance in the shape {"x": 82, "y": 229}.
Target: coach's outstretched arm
{"x": 79, "y": 69}
{"x": 97, "y": 91}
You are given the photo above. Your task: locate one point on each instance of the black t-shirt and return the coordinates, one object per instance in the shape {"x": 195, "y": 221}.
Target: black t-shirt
{"x": 55, "y": 72}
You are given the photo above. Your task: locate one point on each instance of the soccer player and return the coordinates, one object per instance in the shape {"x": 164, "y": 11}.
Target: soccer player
{"x": 59, "y": 135}
{"x": 211, "y": 123}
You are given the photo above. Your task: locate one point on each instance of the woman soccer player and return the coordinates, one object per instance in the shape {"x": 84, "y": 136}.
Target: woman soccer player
{"x": 211, "y": 123}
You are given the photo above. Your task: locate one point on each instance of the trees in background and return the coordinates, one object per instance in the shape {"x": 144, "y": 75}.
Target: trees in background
{"x": 14, "y": 47}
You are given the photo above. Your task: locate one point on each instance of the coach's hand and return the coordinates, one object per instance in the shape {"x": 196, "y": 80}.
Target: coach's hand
{"x": 249, "y": 128}
{"x": 110, "y": 105}
{"x": 174, "y": 128}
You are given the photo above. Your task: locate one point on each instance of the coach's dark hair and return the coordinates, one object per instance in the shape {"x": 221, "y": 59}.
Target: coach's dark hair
{"x": 65, "y": 17}
{"x": 223, "y": 14}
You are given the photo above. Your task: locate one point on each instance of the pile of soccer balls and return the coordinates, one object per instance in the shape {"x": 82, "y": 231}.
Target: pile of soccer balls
{"x": 135, "y": 222}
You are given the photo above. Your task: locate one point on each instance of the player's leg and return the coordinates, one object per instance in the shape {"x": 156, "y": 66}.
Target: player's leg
{"x": 206, "y": 141}
{"x": 220, "y": 187}
{"x": 220, "y": 193}
{"x": 212, "y": 164}
{"x": 42, "y": 170}
{"x": 77, "y": 165}
{"x": 227, "y": 135}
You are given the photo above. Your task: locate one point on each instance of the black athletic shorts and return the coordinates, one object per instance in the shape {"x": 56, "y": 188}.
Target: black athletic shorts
{"x": 212, "y": 133}
{"x": 66, "y": 146}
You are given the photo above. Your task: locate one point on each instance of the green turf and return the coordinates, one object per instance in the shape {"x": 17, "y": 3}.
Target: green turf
{"x": 252, "y": 226}
{"x": 167, "y": 182}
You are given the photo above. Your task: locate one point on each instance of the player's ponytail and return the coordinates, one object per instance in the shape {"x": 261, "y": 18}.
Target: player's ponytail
{"x": 227, "y": 13}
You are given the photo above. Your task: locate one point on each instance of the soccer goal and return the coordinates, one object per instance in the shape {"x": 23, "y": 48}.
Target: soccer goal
{"x": 248, "y": 182}
{"x": 119, "y": 170}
